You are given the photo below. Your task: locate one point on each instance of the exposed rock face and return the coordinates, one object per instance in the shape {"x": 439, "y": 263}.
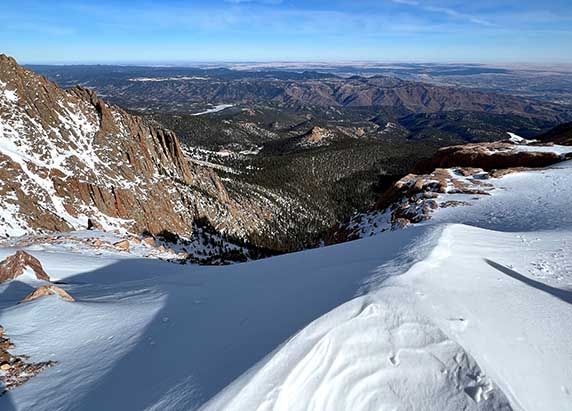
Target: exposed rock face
{"x": 67, "y": 157}
{"x": 15, "y": 370}
{"x": 14, "y": 266}
{"x": 453, "y": 170}
{"x": 412, "y": 199}
{"x": 317, "y": 136}
{"x": 489, "y": 156}
{"x": 47, "y": 290}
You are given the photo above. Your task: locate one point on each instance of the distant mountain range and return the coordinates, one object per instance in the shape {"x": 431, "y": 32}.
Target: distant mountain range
{"x": 144, "y": 86}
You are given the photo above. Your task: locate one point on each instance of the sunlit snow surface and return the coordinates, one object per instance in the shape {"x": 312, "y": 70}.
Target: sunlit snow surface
{"x": 468, "y": 311}
{"x": 215, "y": 109}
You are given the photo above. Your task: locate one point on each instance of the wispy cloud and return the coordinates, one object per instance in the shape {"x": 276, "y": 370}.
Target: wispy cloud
{"x": 446, "y": 11}
{"x": 458, "y": 15}
{"x": 251, "y": 29}
{"x": 267, "y": 20}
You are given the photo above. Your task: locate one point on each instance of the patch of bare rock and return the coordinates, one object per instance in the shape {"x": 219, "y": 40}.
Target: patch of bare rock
{"x": 15, "y": 265}
{"x": 46, "y": 290}
{"x": 122, "y": 245}
{"x": 500, "y": 155}
{"x": 316, "y": 136}
{"x": 413, "y": 198}
{"x": 16, "y": 370}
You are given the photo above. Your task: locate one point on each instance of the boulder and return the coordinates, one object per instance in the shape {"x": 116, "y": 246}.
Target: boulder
{"x": 47, "y": 290}
{"x": 122, "y": 245}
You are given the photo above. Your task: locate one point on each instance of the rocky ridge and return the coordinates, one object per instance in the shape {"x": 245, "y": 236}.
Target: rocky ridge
{"x": 69, "y": 160}
{"x": 465, "y": 169}
{"x": 15, "y": 266}
{"x": 491, "y": 156}
{"x": 309, "y": 89}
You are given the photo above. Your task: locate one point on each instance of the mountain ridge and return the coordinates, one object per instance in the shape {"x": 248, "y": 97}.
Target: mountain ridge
{"x": 147, "y": 87}
{"x": 70, "y": 158}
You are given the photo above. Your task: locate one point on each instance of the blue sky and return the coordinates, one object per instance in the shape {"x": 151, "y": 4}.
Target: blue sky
{"x": 175, "y": 31}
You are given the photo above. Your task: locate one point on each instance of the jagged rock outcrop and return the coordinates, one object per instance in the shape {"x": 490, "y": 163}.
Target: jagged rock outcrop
{"x": 15, "y": 265}
{"x": 317, "y": 136}
{"x": 411, "y": 200}
{"x": 489, "y": 156}
{"x": 413, "y": 197}
{"x": 461, "y": 169}
{"x": 47, "y": 290}
{"x": 67, "y": 157}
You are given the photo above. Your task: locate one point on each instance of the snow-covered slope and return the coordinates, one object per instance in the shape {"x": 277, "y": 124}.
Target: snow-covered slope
{"x": 468, "y": 310}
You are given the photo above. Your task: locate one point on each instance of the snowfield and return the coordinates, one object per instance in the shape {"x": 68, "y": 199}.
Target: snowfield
{"x": 470, "y": 310}
{"x": 215, "y": 109}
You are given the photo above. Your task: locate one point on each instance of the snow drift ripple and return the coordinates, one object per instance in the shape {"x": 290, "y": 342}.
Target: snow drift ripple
{"x": 377, "y": 351}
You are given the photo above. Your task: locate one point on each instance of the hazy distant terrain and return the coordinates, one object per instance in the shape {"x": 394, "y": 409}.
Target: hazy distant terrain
{"x": 549, "y": 83}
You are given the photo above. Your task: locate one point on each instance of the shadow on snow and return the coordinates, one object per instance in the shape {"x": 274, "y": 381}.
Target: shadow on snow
{"x": 215, "y": 322}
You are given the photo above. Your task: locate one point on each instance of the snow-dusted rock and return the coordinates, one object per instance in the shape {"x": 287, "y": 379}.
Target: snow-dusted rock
{"x": 15, "y": 266}
{"x": 47, "y": 290}
{"x": 122, "y": 245}
{"x": 69, "y": 161}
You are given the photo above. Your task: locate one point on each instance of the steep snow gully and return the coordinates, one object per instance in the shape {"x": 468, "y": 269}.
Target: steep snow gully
{"x": 468, "y": 311}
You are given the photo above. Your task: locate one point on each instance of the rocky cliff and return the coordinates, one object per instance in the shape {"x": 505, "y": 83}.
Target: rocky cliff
{"x": 450, "y": 177}
{"x": 68, "y": 160}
